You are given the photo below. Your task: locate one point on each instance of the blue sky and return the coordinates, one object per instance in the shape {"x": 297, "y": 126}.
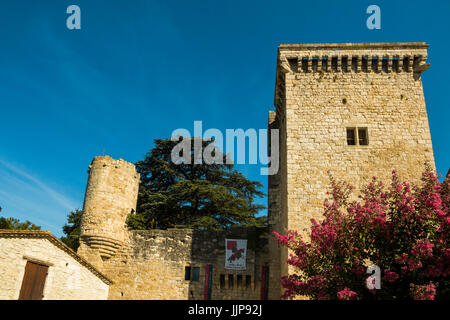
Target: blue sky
{"x": 137, "y": 70}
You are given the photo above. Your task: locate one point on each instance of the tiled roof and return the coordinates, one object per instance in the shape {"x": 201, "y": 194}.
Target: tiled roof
{"x": 57, "y": 242}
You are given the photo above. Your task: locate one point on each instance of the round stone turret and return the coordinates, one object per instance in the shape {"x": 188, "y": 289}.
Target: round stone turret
{"x": 111, "y": 195}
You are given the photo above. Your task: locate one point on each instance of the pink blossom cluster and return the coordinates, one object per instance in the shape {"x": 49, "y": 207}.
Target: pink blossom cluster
{"x": 294, "y": 285}
{"x": 423, "y": 292}
{"x": 390, "y": 276}
{"x": 405, "y": 230}
{"x": 347, "y": 294}
{"x": 423, "y": 249}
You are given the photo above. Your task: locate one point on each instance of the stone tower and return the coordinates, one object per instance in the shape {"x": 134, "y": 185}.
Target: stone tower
{"x": 111, "y": 195}
{"x": 356, "y": 110}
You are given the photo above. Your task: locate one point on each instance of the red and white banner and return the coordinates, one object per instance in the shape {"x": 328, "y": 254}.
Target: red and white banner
{"x": 235, "y": 254}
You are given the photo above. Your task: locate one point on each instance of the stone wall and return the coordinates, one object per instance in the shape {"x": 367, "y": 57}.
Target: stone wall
{"x": 67, "y": 278}
{"x": 320, "y": 105}
{"x": 276, "y": 205}
{"x": 153, "y": 265}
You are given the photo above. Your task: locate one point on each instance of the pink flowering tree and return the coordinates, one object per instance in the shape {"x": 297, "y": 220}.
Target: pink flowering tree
{"x": 403, "y": 230}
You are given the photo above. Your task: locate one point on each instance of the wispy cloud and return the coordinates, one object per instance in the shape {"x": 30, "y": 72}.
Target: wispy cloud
{"x": 27, "y": 197}
{"x": 28, "y": 209}
{"x": 35, "y": 182}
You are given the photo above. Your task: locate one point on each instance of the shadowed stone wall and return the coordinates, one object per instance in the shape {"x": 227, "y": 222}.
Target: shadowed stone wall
{"x": 153, "y": 265}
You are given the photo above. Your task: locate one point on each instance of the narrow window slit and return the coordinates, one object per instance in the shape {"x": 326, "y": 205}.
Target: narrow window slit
{"x": 354, "y": 64}
{"x": 334, "y": 64}
{"x": 305, "y": 65}
{"x": 293, "y": 63}
{"x": 230, "y": 281}
{"x": 384, "y": 66}
{"x": 239, "y": 281}
{"x": 362, "y": 137}
{"x": 187, "y": 273}
{"x": 344, "y": 64}
{"x": 196, "y": 274}
{"x": 395, "y": 61}
{"x": 364, "y": 65}
{"x": 405, "y": 64}
{"x": 248, "y": 281}
{"x": 315, "y": 64}
{"x": 375, "y": 64}
{"x": 325, "y": 64}
{"x": 351, "y": 136}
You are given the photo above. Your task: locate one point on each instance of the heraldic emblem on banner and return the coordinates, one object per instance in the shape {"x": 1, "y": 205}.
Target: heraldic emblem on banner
{"x": 235, "y": 254}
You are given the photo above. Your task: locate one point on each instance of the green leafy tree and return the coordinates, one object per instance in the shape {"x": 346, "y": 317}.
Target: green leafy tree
{"x": 200, "y": 196}
{"x": 15, "y": 224}
{"x": 72, "y": 229}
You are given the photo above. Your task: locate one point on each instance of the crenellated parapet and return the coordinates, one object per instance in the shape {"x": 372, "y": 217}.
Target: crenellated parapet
{"x": 349, "y": 58}
{"x": 353, "y": 57}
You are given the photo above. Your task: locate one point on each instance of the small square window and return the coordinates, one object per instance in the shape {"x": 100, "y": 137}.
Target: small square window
{"x": 357, "y": 136}
{"x": 363, "y": 137}
{"x": 192, "y": 273}
{"x": 351, "y": 136}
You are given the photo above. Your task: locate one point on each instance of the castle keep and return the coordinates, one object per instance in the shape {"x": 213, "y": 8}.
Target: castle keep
{"x": 354, "y": 110}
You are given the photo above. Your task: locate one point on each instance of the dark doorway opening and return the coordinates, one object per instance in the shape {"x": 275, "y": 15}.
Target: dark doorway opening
{"x": 33, "y": 281}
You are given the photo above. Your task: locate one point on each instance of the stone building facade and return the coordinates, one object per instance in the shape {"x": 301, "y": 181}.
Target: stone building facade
{"x": 152, "y": 264}
{"x": 352, "y": 110}
{"x": 65, "y": 275}
{"x": 155, "y": 263}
